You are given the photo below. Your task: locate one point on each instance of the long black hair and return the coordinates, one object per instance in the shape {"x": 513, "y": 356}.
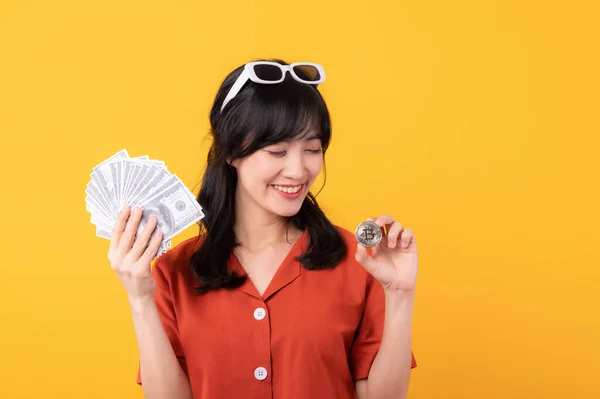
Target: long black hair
{"x": 258, "y": 116}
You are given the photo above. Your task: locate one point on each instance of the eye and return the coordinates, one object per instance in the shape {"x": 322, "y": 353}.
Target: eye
{"x": 276, "y": 153}
{"x": 317, "y": 151}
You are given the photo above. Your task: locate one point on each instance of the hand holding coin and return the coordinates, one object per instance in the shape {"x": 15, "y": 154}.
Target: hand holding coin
{"x": 393, "y": 261}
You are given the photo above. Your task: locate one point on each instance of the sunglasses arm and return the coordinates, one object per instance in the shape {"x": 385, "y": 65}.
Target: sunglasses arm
{"x": 237, "y": 86}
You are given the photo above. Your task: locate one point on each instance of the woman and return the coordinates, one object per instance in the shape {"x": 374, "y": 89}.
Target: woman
{"x": 271, "y": 300}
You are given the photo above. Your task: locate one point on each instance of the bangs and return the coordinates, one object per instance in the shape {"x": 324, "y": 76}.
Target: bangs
{"x": 272, "y": 113}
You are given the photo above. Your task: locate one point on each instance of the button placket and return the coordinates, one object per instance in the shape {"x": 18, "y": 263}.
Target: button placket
{"x": 263, "y": 347}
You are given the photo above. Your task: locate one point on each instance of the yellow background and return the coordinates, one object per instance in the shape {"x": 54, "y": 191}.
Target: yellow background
{"x": 474, "y": 122}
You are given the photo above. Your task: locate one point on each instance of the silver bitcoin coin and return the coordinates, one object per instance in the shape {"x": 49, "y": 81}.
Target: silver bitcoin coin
{"x": 368, "y": 233}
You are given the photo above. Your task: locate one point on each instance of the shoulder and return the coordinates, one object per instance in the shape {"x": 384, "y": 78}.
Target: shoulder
{"x": 349, "y": 262}
{"x": 176, "y": 261}
{"x": 348, "y": 279}
{"x": 347, "y": 235}
{"x": 349, "y": 240}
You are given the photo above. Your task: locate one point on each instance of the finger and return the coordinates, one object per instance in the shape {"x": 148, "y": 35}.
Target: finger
{"x": 375, "y": 250}
{"x": 142, "y": 241}
{"x": 376, "y": 247}
{"x": 385, "y": 222}
{"x": 152, "y": 249}
{"x": 362, "y": 257}
{"x": 118, "y": 227}
{"x": 407, "y": 236}
{"x": 130, "y": 230}
{"x": 394, "y": 233}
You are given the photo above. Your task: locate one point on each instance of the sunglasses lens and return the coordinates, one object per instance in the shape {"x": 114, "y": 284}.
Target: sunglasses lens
{"x": 307, "y": 73}
{"x": 268, "y": 72}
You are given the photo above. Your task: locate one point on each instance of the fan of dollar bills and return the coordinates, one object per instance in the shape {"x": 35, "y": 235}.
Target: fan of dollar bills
{"x": 140, "y": 182}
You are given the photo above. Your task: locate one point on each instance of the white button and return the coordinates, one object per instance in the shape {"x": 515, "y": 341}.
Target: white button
{"x": 260, "y": 373}
{"x": 259, "y": 313}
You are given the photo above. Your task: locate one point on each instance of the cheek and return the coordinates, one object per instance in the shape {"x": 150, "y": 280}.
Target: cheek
{"x": 257, "y": 174}
{"x": 315, "y": 167}
{"x": 265, "y": 174}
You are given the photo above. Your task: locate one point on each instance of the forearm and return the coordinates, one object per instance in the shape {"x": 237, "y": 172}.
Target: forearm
{"x": 390, "y": 372}
{"x": 162, "y": 376}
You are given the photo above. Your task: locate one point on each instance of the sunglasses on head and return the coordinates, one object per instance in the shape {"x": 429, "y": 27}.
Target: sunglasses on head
{"x": 267, "y": 72}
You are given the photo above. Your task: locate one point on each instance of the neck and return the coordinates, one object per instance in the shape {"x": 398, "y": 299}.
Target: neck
{"x": 256, "y": 228}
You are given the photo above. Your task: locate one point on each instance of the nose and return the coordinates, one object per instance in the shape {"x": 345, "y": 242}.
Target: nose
{"x": 295, "y": 167}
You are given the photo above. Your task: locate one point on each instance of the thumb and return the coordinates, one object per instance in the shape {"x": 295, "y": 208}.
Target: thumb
{"x": 362, "y": 256}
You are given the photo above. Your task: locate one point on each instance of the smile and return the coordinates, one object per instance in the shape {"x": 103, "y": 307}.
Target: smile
{"x": 288, "y": 189}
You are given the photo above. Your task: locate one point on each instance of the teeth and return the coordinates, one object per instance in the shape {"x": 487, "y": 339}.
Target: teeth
{"x": 288, "y": 189}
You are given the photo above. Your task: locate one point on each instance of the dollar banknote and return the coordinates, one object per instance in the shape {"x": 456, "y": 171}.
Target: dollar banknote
{"x": 145, "y": 183}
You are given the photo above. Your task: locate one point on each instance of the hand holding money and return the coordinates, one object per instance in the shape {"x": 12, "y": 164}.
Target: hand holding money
{"x": 130, "y": 257}
{"x": 147, "y": 184}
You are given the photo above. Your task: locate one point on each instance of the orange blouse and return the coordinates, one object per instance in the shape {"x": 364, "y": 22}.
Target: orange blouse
{"x": 312, "y": 334}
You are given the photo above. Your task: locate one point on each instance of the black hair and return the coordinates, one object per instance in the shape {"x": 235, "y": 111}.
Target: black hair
{"x": 258, "y": 116}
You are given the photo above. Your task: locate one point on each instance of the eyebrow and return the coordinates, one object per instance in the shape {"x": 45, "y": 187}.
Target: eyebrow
{"x": 312, "y": 137}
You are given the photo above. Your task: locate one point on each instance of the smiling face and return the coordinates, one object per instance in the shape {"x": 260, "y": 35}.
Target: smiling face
{"x": 278, "y": 177}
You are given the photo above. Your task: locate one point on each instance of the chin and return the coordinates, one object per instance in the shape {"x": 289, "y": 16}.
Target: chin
{"x": 288, "y": 210}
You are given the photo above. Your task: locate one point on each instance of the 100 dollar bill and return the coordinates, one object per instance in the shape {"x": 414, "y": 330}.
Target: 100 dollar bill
{"x": 175, "y": 208}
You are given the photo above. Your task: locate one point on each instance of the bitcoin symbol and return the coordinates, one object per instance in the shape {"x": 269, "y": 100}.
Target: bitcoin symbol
{"x": 368, "y": 233}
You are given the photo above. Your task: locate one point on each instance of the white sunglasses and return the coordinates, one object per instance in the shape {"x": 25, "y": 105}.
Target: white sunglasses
{"x": 267, "y": 72}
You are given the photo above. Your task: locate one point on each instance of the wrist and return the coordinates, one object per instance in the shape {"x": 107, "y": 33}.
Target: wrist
{"x": 399, "y": 299}
{"x": 141, "y": 304}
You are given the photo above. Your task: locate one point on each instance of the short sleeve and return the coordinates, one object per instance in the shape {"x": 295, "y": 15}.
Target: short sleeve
{"x": 370, "y": 330}
{"x": 166, "y": 311}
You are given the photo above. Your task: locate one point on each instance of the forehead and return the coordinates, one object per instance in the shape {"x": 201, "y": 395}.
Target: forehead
{"x": 311, "y": 133}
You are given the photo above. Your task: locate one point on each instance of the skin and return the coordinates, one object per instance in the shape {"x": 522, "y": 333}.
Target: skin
{"x": 394, "y": 263}
{"x": 266, "y": 238}
{"x": 261, "y": 227}
{"x": 289, "y": 164}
